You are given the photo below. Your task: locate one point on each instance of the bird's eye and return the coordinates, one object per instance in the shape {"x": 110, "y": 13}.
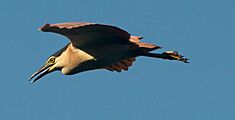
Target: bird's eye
{"x": 52, "y": 60}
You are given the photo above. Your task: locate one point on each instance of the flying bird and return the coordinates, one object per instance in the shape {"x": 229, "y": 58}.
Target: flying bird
{"x": 97, "y": 46}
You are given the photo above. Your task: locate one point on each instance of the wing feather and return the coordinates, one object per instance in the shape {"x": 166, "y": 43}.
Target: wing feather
{"x": 122, "y": 65}
{"x": 82, "y": 33}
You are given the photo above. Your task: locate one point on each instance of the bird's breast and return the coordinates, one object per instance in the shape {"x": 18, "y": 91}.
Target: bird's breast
{"x": 72, "y": 57}
{"x": 83, "y": 58}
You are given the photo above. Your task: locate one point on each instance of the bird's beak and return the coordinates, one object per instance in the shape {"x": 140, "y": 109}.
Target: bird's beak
{"x": 41, "y": 72}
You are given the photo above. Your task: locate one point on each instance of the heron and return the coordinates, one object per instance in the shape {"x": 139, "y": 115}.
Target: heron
{"x": 97, "y": 46}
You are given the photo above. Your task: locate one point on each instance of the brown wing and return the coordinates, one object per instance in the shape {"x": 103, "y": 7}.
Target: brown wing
{"x": 122, "y": 65}
{"x": 81, "y": 33}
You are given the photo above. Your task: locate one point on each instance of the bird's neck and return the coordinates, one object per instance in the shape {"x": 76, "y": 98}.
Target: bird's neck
{"x": 71, "y": 58}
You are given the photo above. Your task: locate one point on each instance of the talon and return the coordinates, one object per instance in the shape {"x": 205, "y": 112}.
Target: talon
{"x": 174, "y": 55}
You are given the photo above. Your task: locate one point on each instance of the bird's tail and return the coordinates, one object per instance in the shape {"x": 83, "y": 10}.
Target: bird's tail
{"x": 169, "y": 55}
{"x": 142, "y": 45}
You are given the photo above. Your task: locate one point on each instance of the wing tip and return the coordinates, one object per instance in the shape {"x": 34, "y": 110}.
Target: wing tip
{"x": 45, "y": 27}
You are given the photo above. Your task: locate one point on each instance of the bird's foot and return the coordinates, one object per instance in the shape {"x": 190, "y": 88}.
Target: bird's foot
{"x": 174, "y": 55}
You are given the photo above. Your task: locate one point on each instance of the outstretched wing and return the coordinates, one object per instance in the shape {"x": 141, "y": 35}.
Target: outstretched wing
{"x": 81, "y": 33}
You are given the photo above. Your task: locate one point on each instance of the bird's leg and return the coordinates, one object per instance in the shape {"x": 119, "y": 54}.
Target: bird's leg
{"x": 169, "y": 55}
{"x": 174, "y": 55}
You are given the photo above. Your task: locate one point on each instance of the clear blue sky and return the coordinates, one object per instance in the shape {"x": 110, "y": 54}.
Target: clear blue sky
{"x": 153, "y": 89}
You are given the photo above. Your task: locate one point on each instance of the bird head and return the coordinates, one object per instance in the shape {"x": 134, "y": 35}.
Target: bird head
{"x": 50, "y": 66}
